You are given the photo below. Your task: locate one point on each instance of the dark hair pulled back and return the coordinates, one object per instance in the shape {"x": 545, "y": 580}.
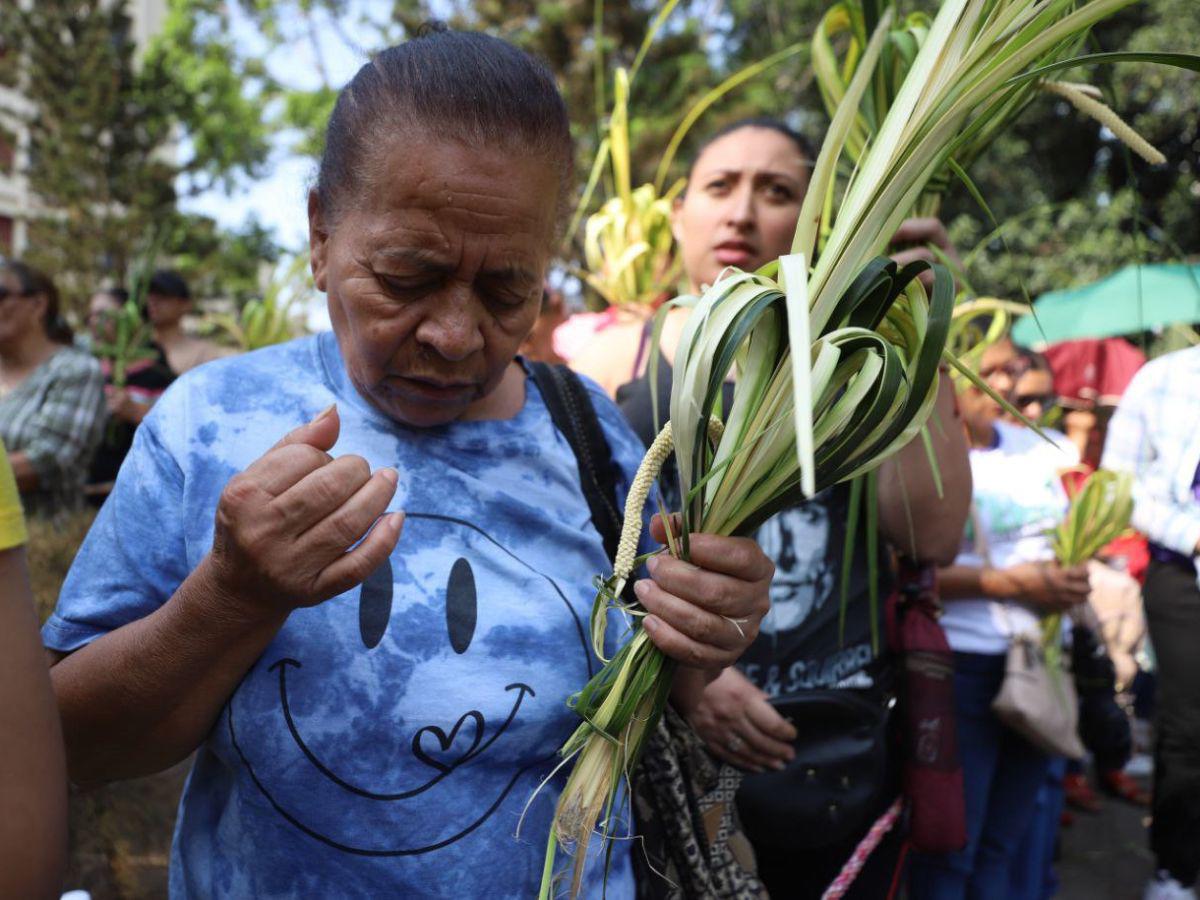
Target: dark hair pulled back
{"x": 1032, "y": 361}
{"x": 463, "y": 86}
{"x": 117, "y": 293}
{"x": 33, "y": 282}
{"x": 769, "y": 123}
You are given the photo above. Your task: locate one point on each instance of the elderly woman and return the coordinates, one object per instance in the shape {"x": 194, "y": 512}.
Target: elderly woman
{"x": 51, "y": 395}
{"x": 372, "y": 712}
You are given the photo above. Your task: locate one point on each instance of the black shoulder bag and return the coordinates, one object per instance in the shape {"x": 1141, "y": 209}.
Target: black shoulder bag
{"x": 572, "y": 412}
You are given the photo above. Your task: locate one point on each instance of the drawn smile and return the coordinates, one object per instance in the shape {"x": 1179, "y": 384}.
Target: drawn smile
{"x": 440, "y": 750}
{"x": 442, "y": 758}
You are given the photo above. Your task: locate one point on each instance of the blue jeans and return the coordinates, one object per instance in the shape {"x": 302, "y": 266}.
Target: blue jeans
{"x": 1033, "y": 875}
{"x": 1002, "y": 774}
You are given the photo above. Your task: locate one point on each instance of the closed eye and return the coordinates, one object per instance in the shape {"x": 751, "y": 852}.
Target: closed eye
{"x": 407, "y": 286}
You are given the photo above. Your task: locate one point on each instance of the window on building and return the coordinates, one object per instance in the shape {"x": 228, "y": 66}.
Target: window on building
{"x": 6, "y": 236}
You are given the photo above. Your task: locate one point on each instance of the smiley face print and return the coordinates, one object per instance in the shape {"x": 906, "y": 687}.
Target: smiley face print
{"x": 404, "y": 716}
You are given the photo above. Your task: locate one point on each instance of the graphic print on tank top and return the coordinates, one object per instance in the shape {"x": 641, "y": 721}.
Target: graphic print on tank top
{"x": 803, "y": 644}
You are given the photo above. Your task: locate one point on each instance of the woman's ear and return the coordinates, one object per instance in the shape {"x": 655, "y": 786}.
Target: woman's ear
{"x": 318, "y": 240}
{"x": 676, "y": 218}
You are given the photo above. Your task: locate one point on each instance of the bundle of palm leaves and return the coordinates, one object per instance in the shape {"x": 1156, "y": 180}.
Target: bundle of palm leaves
{"x": 127, "y": 337}
{"x": 1099, "y": 513}
{"x": 835, "y": 348}
{"x": 127, "y": 341}
{"x": 837, "y": 51}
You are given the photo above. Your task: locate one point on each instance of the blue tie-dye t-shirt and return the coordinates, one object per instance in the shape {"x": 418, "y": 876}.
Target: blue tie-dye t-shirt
{"x": 387, "y": 740}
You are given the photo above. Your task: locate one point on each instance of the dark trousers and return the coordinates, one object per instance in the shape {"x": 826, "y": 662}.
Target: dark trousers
{"x": 1173, "y": 615}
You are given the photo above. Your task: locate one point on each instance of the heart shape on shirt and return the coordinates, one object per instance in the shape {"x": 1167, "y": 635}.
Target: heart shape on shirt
{"x": 445, "y": 756}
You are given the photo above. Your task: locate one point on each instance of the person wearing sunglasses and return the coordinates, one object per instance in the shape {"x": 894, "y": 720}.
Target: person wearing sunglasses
{"x": 1033, "y": 393}
{"x": 51, "y": 394}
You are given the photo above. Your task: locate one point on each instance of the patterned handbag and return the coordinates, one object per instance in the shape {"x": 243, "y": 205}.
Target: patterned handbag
{"x": 690, "y": 841}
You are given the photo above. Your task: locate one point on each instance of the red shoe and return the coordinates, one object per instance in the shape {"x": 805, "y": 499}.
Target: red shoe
{"x": 1117, "y": 783}
{"x": 1079, "y": 793}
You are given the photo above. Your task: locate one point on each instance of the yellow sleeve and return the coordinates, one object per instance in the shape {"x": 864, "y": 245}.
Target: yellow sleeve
{"x": 12, "y": 519}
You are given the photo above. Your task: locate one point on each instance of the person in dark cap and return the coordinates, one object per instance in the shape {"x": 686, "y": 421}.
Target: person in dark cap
{"x": 168, "y": 300}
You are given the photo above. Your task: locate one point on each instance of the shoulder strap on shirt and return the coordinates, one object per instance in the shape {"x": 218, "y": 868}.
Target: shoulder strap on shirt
{"x": 573, "y": 414}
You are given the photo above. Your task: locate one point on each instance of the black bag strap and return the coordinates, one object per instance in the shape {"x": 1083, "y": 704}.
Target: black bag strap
{"x": 573, "y": 414}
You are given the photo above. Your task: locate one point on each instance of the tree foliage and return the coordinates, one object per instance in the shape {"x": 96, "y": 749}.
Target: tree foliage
{"x": 112, "y": 135}
{"x": 215, "y": 261}
{"x": 1074, "y": 204}
{"x": 112, "y": 150}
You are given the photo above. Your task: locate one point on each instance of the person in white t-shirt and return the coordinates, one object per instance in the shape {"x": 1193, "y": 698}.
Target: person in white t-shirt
{"x": 1004, "y": 579}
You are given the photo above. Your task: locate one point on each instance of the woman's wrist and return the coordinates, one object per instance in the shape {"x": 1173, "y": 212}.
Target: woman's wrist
{"x": 996, "y": 585}
{"x": 205, "y": 593}
{"x": 687, "y": 690}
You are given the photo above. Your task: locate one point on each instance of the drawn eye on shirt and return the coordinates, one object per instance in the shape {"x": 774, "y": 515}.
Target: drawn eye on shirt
{"x": 375, "y": 605}
{"x": 462, "y": 605}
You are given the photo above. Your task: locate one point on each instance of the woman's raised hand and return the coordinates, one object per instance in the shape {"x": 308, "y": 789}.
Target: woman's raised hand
{"x": 286, "y": 525}
{"x": 1047, "y": 584}
{"x": 705, "y": 613}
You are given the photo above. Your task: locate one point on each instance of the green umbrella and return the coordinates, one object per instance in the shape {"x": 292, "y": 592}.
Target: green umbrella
{"x": 1137, "y": 298}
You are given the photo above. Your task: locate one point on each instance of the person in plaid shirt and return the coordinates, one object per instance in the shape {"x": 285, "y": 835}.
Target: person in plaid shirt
{"x": 51, "y": 395}
{"x": 1154, "y": 435}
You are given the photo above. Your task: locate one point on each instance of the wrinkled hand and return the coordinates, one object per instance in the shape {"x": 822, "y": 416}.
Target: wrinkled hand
{"x": 913, "y": 239}
{"x": 1046, "y": 585}
{"x": 740, "y": 727}
{"x": 285, "y": 526}
{"x": 706, "y": 612}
